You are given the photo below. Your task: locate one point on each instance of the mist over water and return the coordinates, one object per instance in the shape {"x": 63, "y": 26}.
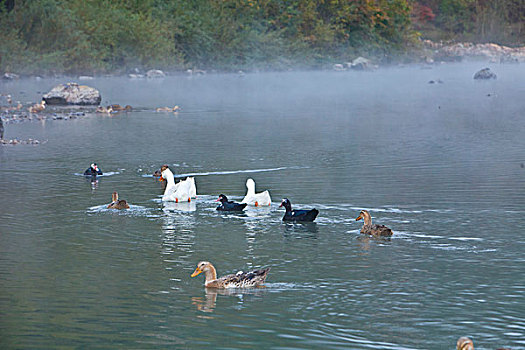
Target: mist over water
{"x": 440, "y": 164}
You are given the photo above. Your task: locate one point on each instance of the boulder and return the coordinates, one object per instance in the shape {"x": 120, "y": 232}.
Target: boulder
{"x": 485, "y": 73}
{"x": 155, "y": 73}
{"x": 72, "y": 94}
{"x": 10, "y": 76}
{"x": 362, "y": 63}
{"x": 493, "y": 52}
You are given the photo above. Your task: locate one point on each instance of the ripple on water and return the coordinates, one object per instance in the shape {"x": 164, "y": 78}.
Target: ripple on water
{"x": 122, "y": 277}
{"x": 134, "y": 210}
{"x": 230, "y": 172}
{"x": 105, "y": 174}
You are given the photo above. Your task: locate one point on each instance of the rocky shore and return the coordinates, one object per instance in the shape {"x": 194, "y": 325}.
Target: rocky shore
{"x": 428, "y": 52}
{"x": 494, "y": 53}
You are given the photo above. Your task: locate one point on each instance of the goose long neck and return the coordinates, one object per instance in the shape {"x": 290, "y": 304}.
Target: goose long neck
{"x": 169, "y": 177}
{"x": 210, "y": 273}
{"x": 251, "y": 187}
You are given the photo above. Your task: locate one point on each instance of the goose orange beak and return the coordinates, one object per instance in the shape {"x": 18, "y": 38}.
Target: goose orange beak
{"x": 196, "y": 272}
{"x": 161, "y": 178}
{"x": 358, "y": 218}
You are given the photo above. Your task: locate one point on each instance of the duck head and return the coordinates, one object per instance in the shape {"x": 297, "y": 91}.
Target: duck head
{"x": 207, "y": 268}
{"x": 286, "y": 204}
{"x": 464, "y": 343}
{"x": 365, "y": 215}
{"x": 162, "y": 169}
{"x": 222, "y": 198}
{"x": 201, "y": 267}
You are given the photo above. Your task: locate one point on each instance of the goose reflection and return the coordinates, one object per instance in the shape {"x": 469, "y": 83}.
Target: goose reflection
{"x": 178, "y": 237}
{"x": 256, "y": 220}
{"x": 185, "y": 207}
{"x": 258, "y": 212}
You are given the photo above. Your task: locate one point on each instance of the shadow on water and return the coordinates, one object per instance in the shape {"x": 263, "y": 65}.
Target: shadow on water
{"x": 300, "y": 229}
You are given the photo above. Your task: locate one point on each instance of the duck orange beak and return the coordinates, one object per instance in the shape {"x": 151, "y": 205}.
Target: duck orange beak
{"x": 358, "y": 218}
{"x": 196, "y": 272}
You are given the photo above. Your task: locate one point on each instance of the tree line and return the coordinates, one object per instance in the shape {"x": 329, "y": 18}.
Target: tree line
{"x": 98, "y": 36}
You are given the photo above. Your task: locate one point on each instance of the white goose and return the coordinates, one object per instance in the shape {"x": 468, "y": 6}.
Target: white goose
{"x": 183, "y": 191}
{"x": 257, "y": 199}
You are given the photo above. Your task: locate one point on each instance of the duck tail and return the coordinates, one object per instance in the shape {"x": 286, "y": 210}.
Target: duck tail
{"x": 311, "y": 215}
{"x": 262, "y": 273}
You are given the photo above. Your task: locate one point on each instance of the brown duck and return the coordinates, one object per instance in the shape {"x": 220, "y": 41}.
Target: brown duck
{"x": 119, "y": 108}
{"x": 241, "y": 279}
{"x": 374, "y": 230}
{"x": 117, "y": 203}
{"x": 465, "y": 343}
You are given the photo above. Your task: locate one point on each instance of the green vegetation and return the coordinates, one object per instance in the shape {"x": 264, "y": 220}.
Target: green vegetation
{"x": 97, "y": 36}
{"x": 501, "y": 21}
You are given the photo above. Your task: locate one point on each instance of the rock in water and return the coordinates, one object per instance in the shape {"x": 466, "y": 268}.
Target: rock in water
{"x": 485, "y": 73}
{"x": 10, "y": 76}
{"x": 155, "y": 73}
{"x": 362, "y": 63}
{"x": 72, "y": 94}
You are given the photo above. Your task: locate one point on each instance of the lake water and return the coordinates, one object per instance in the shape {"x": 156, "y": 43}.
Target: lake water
{"x": 441, "y": 164}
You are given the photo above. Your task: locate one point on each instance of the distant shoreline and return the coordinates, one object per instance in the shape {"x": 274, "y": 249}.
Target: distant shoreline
{"x": 429, "y": 52}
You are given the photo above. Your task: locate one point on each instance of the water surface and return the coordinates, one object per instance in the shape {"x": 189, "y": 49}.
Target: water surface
{"x": 441, "y": 164}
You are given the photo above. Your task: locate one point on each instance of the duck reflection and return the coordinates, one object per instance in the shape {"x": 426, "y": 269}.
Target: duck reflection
{"x": 208, "y": 303}
{"x": 303, "y": 227}
{"x": 93, "y": 181}
{"x": 367, "y": 241}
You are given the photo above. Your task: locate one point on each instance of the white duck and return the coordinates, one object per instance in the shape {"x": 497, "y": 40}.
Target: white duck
{"x": 257, "y": 199}
{"x": 183, "y": 191}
